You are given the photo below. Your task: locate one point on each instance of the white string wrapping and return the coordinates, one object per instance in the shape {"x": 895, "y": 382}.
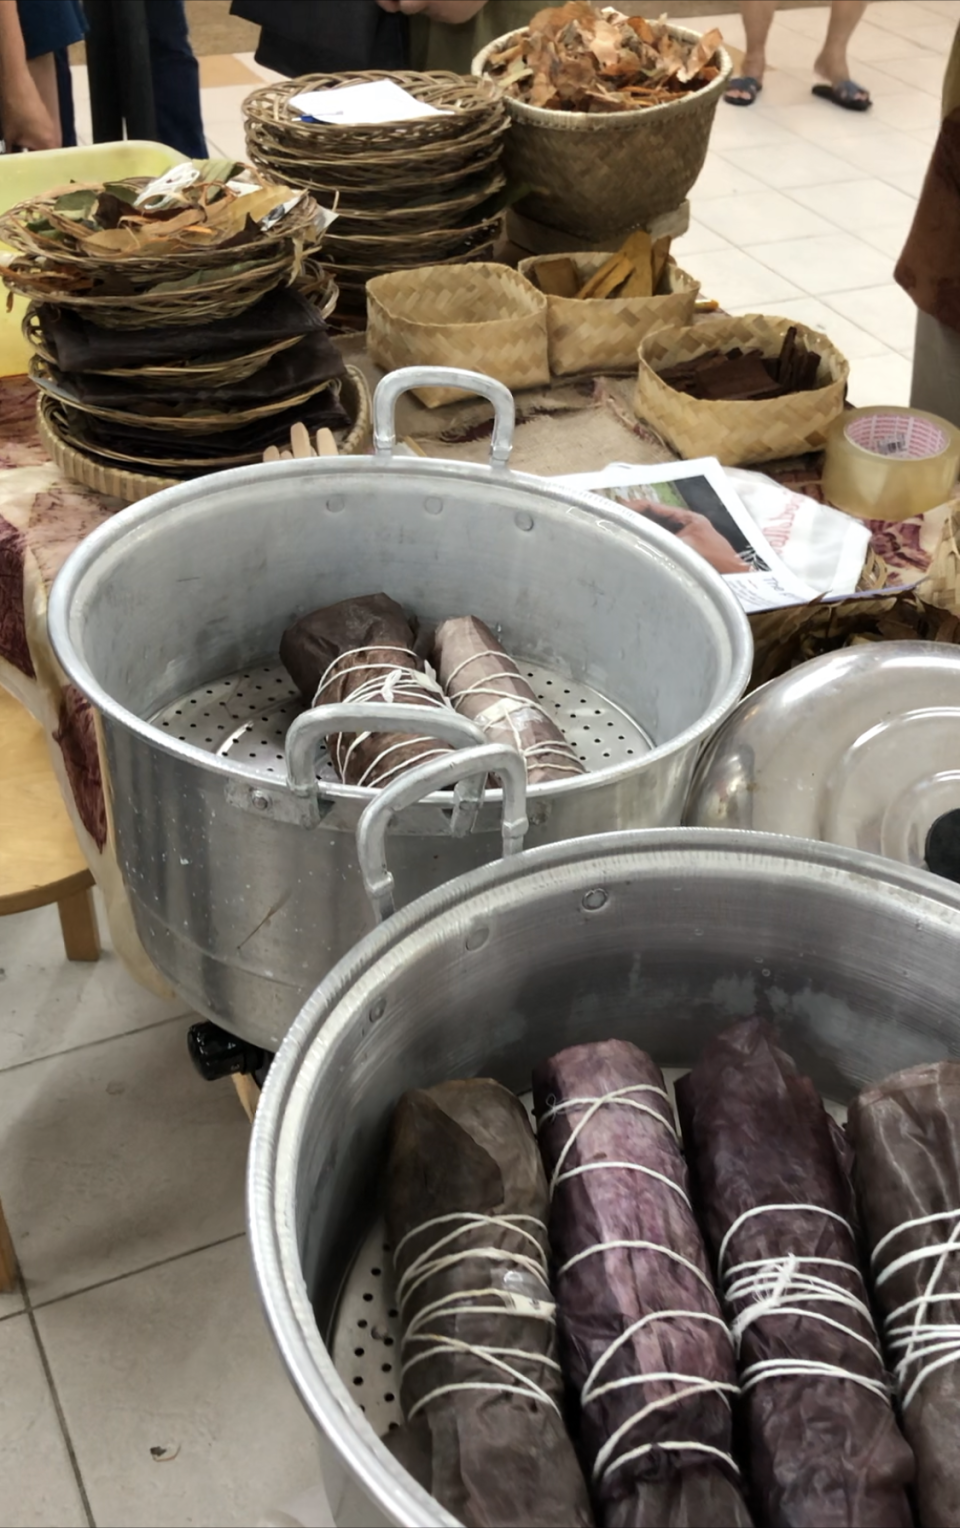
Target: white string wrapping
{"x": 394, "y": 684}
{"x": 506, "y": 1377}
{"x": 511, "y": 709}
{"x": 608, "y": 1460}
{"x": 920, "y": 1343}
{"x": 782, "y": 1286}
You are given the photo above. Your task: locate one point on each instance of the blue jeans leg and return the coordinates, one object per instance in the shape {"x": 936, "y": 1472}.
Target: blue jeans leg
{"x": 176, "y": 79}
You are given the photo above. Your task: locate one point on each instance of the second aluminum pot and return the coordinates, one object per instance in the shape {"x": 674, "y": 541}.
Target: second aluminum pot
{"x": 241, "y": 868}
{"x": 662, "y": 938}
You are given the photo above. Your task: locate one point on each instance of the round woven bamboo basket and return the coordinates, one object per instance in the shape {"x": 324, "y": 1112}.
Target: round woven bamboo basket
{"x": 130, "y": 485}
{"x": 594, "y": 173}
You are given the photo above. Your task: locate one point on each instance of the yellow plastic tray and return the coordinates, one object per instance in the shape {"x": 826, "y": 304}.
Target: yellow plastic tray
{"x": 23, "y": 175}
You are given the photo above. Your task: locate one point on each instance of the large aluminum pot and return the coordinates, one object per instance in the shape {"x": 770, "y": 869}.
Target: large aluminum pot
{"x": 660, "y": 937}
{"x": 243, "y": 876}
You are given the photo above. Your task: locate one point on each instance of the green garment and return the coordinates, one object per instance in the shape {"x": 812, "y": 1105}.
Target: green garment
{"x": 438, "y": 45}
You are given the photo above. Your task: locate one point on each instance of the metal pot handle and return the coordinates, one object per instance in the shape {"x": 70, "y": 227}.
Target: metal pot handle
{"x": 492, "y": 758}
{"x": 305, "y": 735}
{"x": 395, "y": 383}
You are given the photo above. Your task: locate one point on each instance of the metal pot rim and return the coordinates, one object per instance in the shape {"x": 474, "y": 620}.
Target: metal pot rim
{"x": 319, "y": 1030}
{"x": 611, "y": 517}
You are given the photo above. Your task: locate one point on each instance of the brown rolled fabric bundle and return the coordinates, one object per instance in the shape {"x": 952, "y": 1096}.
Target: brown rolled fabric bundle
{"x": 484, "y": 684}
{"x": 363, "y": 649}
{"x": 642, "y": 1337}
{"x": 481, "y": 1388}
{"x": 906, "y": 1137}
{"x": 776, "y": 1204}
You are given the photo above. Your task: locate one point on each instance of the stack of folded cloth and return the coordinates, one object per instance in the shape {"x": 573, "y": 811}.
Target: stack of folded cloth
{"x": 178, "y": 325}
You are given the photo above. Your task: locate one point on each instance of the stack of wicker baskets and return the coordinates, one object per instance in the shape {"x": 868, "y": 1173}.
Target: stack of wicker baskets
{"x": 163, "y": 363}
{"x": 412, "y": 193}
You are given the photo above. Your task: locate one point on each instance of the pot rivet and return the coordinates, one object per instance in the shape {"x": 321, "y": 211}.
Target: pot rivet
{"x": 594, "y": 900}
{"x": 260, "y": 801}
{"x": 433, "y": 505}
{"x": 335, "y": 503}
{"x": 523, "y": 521}
{"x": 477, "y": 938}
{"x": 378, "y": 1010}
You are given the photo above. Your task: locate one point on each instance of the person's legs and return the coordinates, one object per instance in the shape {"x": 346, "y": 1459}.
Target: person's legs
{"x": 757, "y": 16}
{"x": 176, "y": 79}
{"x": 936, "y": 369}
{"x": 832, "y": 63}
{"x": 43, "y": 71}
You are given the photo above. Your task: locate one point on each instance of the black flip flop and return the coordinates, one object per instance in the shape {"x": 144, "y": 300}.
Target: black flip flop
{"x": 747, "y": 86}
{"x": 848, "y": 94}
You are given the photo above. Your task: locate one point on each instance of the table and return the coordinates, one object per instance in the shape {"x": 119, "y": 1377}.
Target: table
{"x": 573, "y": 426}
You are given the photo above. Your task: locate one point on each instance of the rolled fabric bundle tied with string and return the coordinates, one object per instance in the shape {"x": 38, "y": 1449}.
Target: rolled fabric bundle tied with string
{"x": 363, "y": 649}
{"x": 771, "y": 1184}
{"x": 643, "y": 1340}
{"x": 480, "y": 1383}
{"x": 483, "y": 683}
{"x": 906, "y": 1138}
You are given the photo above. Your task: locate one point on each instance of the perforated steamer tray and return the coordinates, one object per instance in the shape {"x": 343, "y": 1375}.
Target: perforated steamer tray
{"x": 262, "y": 701}
{"x": 365, "y": 1341}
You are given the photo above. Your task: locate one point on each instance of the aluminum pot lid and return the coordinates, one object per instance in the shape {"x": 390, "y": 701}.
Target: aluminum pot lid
{"x": 859, "y": 747}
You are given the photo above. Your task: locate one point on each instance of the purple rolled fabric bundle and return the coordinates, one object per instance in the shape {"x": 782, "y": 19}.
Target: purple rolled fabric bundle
{"x": 643, "y": 1340}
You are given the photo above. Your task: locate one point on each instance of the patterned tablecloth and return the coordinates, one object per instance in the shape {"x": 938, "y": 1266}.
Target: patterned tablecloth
{"x": 576, "y": 427}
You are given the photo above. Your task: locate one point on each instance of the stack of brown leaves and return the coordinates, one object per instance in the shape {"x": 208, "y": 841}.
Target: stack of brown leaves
{"x": 575, "y": 58}
{"x": 743, "y": 374}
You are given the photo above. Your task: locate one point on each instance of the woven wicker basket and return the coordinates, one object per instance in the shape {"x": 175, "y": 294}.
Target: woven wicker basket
{"x": 602, "y": 333}
{"x": 595, "y": 172}
{"x": 758, "y": 430}
{"x": 129, "y": 485}
{"x": 485, "y": 317}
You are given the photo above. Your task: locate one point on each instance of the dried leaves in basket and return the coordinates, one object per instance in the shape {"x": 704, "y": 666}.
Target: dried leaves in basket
{"x": 785, "y": 638}
{"x": 906, "y": 1136}
{"x": 738, "y": 374}
{"x": 642, "y": 1337}
{"x": 364, "y": 649}
{"x": 769, "y": 1173}
{"x": 480, "y": 1387}
{"x": 575, "y": 58}
{"x": 195, "y": 208}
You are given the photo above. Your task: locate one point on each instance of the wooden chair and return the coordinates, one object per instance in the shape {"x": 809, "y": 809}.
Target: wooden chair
{"x": 40, "y": 859}
{"x": 40, "y": 862}
{"x": 8, "y": 1259}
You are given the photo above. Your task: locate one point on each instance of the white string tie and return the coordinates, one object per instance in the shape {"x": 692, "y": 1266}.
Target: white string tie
{"x": 513, "y": 710}
{"x": 920, "y": 1343}
{"x": 394, "y": 684}
{"x": 506, "y": 1377}
{"x": 689, "y": 1385}
{"x": 783, "y": 1286}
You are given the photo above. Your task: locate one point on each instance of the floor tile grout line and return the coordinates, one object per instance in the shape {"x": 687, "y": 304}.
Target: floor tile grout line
{"x": 132, "y": 1273}
{"x": 126, "y": 1034}
{"x": 58, "y": 1408}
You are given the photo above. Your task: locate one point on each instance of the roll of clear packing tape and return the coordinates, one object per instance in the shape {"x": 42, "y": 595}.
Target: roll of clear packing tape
{"x": 890, "y": 463}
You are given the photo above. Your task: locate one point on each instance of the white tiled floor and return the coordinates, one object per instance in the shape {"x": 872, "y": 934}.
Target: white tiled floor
{"x": 137, "y": 1327}
{"x": 802, "y": 209}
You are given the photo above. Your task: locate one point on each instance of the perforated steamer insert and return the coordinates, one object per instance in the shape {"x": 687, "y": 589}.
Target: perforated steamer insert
{"x": 246, "y": 715}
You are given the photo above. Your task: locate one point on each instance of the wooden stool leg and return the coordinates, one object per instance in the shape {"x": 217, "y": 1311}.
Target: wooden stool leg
{"x": 78, "y": 921}
{"x": 8, "y": 1258}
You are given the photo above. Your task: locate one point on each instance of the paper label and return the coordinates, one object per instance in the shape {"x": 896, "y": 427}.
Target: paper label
{"x": 523, "y": 1305}
{"x": 363, "y": 105}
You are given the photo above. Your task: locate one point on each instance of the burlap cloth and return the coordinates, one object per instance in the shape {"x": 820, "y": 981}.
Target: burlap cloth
{"x": 570, "y": 427}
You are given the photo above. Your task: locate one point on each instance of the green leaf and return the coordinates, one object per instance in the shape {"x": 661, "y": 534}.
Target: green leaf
{"x": 79, "y": 204}
{"x": 121, "y": 191}
{"x": 217, "y": 169}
